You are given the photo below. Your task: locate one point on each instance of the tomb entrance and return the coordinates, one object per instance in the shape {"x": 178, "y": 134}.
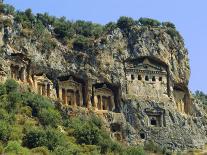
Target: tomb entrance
{"x": 147, "y": 76}
{"x": 42, "y": 85}
{"x": 19, "y": 66}
{"x": 70, "y": 91}
{"x": 155, "y": 117}
{"x": 103, "y": 97}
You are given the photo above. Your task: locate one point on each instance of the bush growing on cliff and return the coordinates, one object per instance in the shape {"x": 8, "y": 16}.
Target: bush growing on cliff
{"x": 134, "y": 151}
{"x": 149, "y": 22}
{"x": 201, "y": 96}
{"x": 49, "y": 117}
{"x": 168, "y": 24}
{"x": 82, "y": 43}
{"x": 125, "y": 23}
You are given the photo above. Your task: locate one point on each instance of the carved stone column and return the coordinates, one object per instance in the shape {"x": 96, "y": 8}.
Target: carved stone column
{"x": 74, "y": 99}
{"x": 66, "y": 97}
{"x": 112, "y": 103}
{"x": 95, "y": 102}
{"x": 101, "y": 102}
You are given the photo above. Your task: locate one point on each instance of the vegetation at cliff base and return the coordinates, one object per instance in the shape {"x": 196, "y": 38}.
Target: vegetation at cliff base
{"x": 32, "y": 124}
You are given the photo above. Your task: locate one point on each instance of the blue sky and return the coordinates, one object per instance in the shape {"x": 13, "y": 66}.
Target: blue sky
{"x": 189, "y": 16}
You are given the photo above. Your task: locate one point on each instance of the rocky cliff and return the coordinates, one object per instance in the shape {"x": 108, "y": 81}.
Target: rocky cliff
{"x": 123, "y": 59}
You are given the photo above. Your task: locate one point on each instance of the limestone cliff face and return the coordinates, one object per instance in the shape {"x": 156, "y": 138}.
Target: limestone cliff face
{"x": 170, "y": 119}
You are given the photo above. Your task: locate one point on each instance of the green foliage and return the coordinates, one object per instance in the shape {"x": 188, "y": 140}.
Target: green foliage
{"x": 5, "y": 131}
{"x": 38, "y": 137}
{"x": 4, "y": 115}
{"x": 149, "y": 22}
{"x": 201, "y": 96}
{"x": 82, "y": 43}
{"x": 14, "y": 101}
{"x": 11, "y": 85}
{"x": 63, "y": 29}
{"x": 110, "y": 26}
{"x": 152, "y": 147}
{"x": 35, "y": 138}
{"x": 88, "y": 29}
{"x": 2, "y": 89}
{"x": 169, "y": 24}
{"x": 40, "y": 151}
{"x": 36, "y": 102}
{"x": 88, "y": 134}
{"x": 16, "y": 148}
{"x": 49, "y": 117}
{"x": 9, "y": 9}
{"x": 125, "y": 23}
{"x": 134, "y": 151}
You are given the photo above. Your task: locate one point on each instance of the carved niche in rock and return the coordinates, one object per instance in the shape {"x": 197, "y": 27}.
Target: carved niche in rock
{"x": 70, "y": 91}
{"x": 19, "y": 65}
{"x": 147, "y": 78}
{"x": 43, "y": 86}
{"x": 182, "y": 98}
{"x": 103, "y": 97}
{"x": 155, "y": 117}
{"x": 116, "y": 130}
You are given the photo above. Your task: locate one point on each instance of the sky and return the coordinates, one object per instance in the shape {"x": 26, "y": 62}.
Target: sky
{"x": 189, "y": 16}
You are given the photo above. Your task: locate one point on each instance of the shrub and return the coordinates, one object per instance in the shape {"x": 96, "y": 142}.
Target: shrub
{"x": 49, "y": 117}
{"x": 26, "y": 110}
{"x": 11, "y": 85}
{"x": 173, "y": 33}
{"x": 110, "y": 26}
{"x": 82, "y": 43}
{"x": 8, "y": 9}
{"x": 201, "y": 96}
{"x": 125, "y": 23}
{"x": 5, "y": 131}
{"x": 2, "y": 89}
{"x": 35, "y": 137}
{"x": 1, "y": 148}
{"x": 149, "y": 22}
{"x": 134, "y": 151}
{"x": 63, "y": 29}
{"x": 4, "y": 115}
{"x": 36, "y": 102}
{"x": 16, "y": 132}
{"x": 152, "y": 147}
{"x": 88, "y": 134}
{"x": 49, "y": 138}
{"x": 168, "y": 24}
{"x": 16, "y": 148}
{"x": 13, "y": 104}
{"x": 40, "y": 151}
{"x": 88, "y": 29}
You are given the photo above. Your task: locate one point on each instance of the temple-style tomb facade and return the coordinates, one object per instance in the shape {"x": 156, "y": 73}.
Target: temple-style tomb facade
{"x": 70, "y": 91}
{"x": 19, "y": 67}
{"x": 147, "y": 78}
{"x": 42, "y": 85}
{"x": 155, "y": 117}
{"x": 103, "y": 98}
